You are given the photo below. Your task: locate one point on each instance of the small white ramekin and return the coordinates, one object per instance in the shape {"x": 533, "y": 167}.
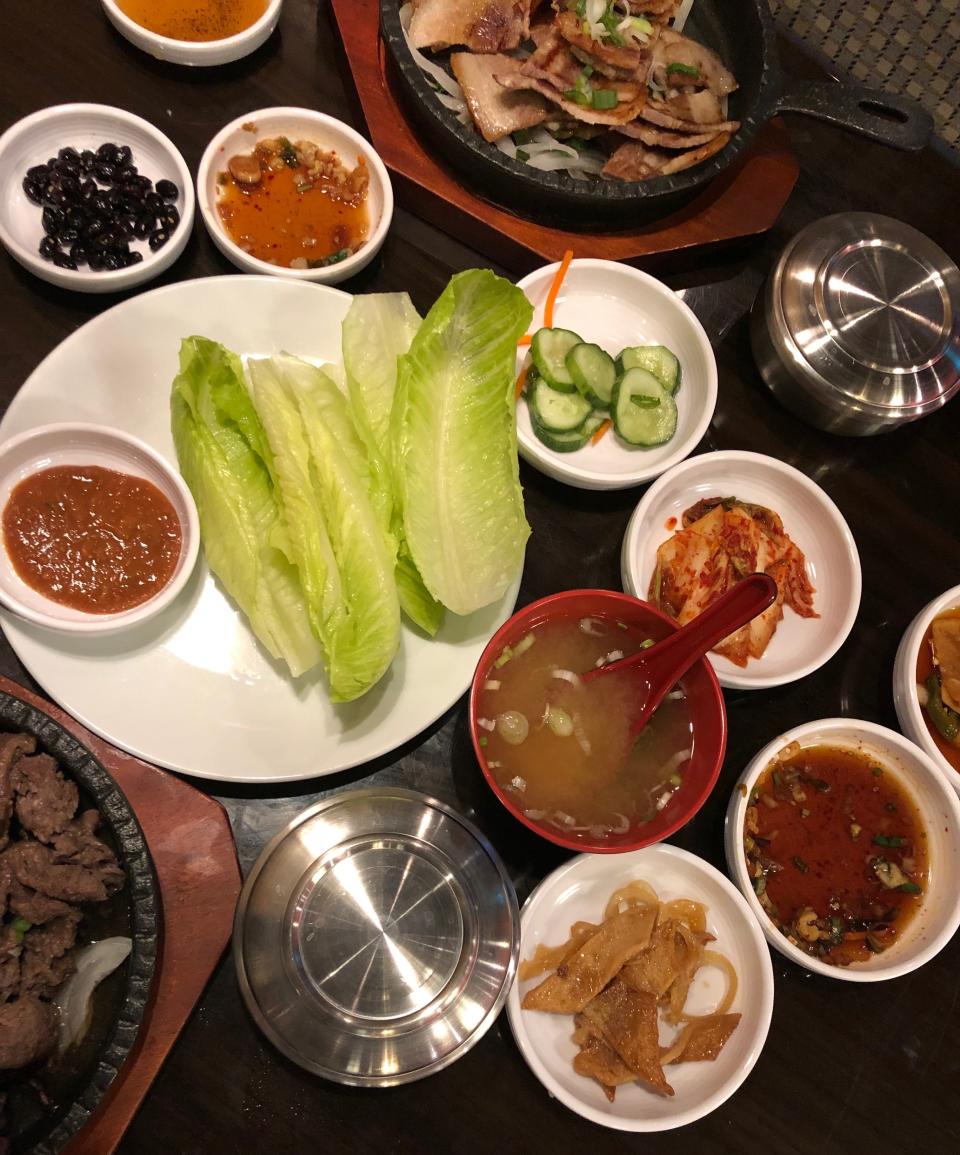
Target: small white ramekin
{"x": 49, "y": 446}
{"x": 242, "y": 134}
{"x": 938, "y": 918}
{"x": 195, "y": 52}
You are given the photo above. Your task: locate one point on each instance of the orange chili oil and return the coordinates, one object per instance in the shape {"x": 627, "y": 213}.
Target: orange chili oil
{"x": 276, "y": 222}
{"x": 831, "y": 831}
{"x": 924, "y": 670}
{"x": 91, "y": 538}
{"x": 195, "y": 20}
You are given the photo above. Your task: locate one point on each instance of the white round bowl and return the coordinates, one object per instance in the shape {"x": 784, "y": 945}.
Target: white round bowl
{"x": 614, "y": 306}
{"x": 36, "y": 138}
{"x": 79, "y": 444}
{"x": 242, "y": 134}
{"x": 195, "y": 52}
{"x": 579, "y": 890}
{"x": 910, "y": 715}
{"x": 938, "y": 918}
{"x": 814, "y": 525}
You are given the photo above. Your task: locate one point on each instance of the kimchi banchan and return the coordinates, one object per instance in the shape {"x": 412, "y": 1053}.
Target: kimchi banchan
{"x": 625, "y": 978}
{"x": 561, "y": 747}
{"x": 836, "y": 851}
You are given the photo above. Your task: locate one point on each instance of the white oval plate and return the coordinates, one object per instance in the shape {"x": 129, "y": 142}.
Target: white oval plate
{"x": 579, "y": 890}
{"x": 192, "y": 690}
{"x": 614, "y": 306}
{"x": 814, "y": 525}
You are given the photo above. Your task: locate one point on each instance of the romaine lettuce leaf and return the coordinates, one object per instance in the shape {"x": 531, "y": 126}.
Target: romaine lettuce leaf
{"x": 455, "y": 443}
{"x": 344, "y": 555}
{"x": 377, "y": 329}
{"x": 223, "y": 457}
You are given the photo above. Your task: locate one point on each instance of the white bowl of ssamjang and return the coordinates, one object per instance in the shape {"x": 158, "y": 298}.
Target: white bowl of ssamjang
{"x": 854, "y": 873}
{"x": 99, "y": 532}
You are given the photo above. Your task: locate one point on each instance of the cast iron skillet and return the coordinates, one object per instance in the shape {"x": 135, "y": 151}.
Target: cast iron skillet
{"x": 47, "y": 1106}
{"x": 741, "y": 32}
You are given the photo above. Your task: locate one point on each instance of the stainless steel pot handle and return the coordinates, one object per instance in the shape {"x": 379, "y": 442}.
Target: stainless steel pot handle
{"x": 894, "y": 120}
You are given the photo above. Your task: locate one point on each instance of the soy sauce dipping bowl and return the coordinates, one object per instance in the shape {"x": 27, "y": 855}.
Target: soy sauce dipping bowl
{"x": 38, "y": 137}
{"x": 938, "y": 917}
{"x": 49, "y": 446}
{"x": 704, "y": 699}
{"x": 196, "y": 53}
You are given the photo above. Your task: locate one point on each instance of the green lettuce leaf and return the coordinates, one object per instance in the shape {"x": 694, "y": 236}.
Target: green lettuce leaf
{"x": 344, "y": 555}
{"x": 377, "y": 330}
{"x": 225, "y": 460}
{"x": 455, "y": 442}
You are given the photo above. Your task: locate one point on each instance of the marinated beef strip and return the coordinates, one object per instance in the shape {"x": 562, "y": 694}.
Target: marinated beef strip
{"x": 28, "y": 1031}
{"x": 945, "y": 639}
{"x": 36, "y": 908}
{"x": 48, "y": 955}
{"x": 45, "y": 800}
{"x": 703, "y": 1039}
{"x": 12, "y": 746}
{"x": 39, "y": 868}
{"x": 694, "y": 65}
{"x": 627, "y": 1020}
{"x": 496, "y": 111}
{"x": 480, "y": 25}
{"x": 634, "y": 161}
{"x": 585, "y": 973}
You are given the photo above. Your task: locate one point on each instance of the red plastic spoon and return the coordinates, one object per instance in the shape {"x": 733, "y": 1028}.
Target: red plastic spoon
{"x": 652, "y": 673}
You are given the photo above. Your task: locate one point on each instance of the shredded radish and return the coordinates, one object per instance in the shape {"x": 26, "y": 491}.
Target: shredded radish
{"x": 441, "y": 78}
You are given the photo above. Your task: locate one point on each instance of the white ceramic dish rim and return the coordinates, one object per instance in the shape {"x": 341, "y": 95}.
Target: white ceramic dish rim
{"x": 562, "y": 466}
{"x": 190, "y": 549}
{"x": 909, "y": 712}
{"x": 746, "y": 680}
{"x": 876, "y": 970}
{"x": 762, "y": 999}
{"x": 199, "y": 50}
{"x": 108, "y": 280}
{"x": 342, "y": 269}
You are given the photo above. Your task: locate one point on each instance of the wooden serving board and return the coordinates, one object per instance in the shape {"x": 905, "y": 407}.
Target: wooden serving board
{"x": 199, "y": 881}
{"x": 742, "y": 202}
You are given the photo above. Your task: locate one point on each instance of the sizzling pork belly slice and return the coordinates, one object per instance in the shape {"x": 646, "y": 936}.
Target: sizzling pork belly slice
{"x": 709, "y": 72}
{"x": 627, "y": 1020}
{"x": 481, "y": 25}
{"x": 627, "y": 61}
{"x": 945, "y": 636}
{"x": 661, "y": 138}
{"x": 635, "y": 161}
{"x": 496, "y": 111}
{"x": 582, "y": 976}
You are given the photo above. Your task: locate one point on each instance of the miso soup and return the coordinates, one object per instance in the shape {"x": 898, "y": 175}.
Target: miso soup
{"x": 561, "y": 747}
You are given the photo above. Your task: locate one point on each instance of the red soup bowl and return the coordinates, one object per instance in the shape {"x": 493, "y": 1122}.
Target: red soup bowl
{"x": 704, "y": 700}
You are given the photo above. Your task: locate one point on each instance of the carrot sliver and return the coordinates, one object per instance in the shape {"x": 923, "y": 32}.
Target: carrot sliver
{"x": 555, "y": 288}
{"x": 601, "y": 429}
{"x": 521, "y": 381}
{"x": 525, "y": 339}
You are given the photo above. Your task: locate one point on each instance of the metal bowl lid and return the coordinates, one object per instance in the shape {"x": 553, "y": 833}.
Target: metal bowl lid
{"x": 376, "y": 937}
{"x": 868, "y": 308}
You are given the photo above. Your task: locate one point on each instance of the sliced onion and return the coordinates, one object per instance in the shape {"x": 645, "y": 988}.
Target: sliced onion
{"x": 513, "y": 727}
{"x": 567, "y": 676}
{"x": 493, "y": 684}
{"x": 589, "y": 626}
{"x": 486, "y": 724}
{"x": 434, "y": 71}
{"x": 676, "y": 762}
{"x": 681, "y": 17}
{"x": 94, "y": 963}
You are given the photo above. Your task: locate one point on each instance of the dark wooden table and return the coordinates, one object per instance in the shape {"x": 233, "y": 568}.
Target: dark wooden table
{"x": 845, "y": 1067}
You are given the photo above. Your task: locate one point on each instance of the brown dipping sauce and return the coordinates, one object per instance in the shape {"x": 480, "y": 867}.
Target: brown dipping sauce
{"x": 91, "y": 538}
{"x": 836, "y": 851}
